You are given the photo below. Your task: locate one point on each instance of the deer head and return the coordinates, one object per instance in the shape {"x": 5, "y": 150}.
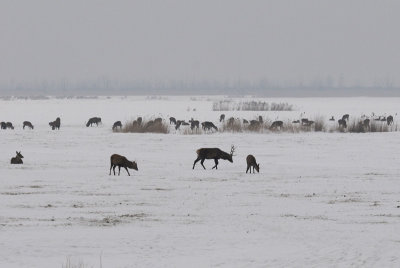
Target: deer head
{"x": 19, "y": 155}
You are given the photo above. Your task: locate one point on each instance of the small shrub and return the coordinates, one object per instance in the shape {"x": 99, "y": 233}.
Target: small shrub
{"x": 145, "y": 127}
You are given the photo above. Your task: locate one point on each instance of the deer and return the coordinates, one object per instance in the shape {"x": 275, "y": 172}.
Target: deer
{"x": 245, "y": 121}
{"x": 121, "y": 161}
{"x": 3, "y": 125}
{"x": 345, "y": 117}
{"x": 251, "y": 162}
{"x": 55, "y": 124}
{"x": 260, "y": 119}
{"x": 27, "y": 124}
{"x": 17, "y": 159}
{"x": 116, "y": 125}
{"x": 158, "y": 120}
{"x": 389, "y": 120}
{"x": 194, "y": 124}
{"x": 342, "y": 123}
{"x": 172, "y": 120}
{"x": 276, "y": 124}
{"x": 222, "y": 117}
{"x": 9, "y": 125}
{"x": 213, "y": 153}
{"x": 139, "y": 120}
{"x": 93, "y": 120}
{"x": 208, "y": 126}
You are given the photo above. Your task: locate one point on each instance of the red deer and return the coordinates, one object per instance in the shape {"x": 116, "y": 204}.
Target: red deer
{"x": 172, "y": 120}
{"x": 222, "y": 118}
{"x": 389, "y": 120}
{"x": 208, "y": 126}
{"x": 194, "y": 124}
{"x": 296, "y": 122}
{"x": 251, "y": 162}
{"x": 116, "y": 125}
{"x": 93, "y": 120}
{"x": 260, "y": 119}
{"x": 9, "y": 125}
{"x": 3, "y": 125}
{"x": 158, "y": 120}
{"x": 308, "y": 123}
{"x": 245, "y": 121}
{"x": 55, "y": 124}
{"x": 276, "y": 124}
{"x": 121, "y": 161}
{"x": 17, "y": 159}
{"x": 342, "y": 123}
{"x": 304, "y": 121}
{"x": 345, "y": 117}
{"x": 27, "y": 124}
{"x": 213, "y": 153}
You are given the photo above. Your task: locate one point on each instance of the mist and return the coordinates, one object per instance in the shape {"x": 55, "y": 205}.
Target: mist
{"x": 200, "y": 47}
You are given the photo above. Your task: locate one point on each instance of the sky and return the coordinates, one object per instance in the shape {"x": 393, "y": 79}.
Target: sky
{"x": 355, "y": 41}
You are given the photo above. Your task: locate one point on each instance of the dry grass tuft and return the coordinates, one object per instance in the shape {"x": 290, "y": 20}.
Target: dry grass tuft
{"x": 144, "y": 127}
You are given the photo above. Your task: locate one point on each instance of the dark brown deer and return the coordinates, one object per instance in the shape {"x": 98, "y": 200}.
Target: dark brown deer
{"x": 276, "y": 125}
{"x": 55, "y": 124}
{"x": 194, "y": 124}
{"x": 121, "y": 161}
{"x": 93, "y": 120}
{"x": 9, "y": 125}
{"x": 222, "y": 118}
{"x": 17, "y": 159}
{"x": 345, "y": 117}
{"x": 245, "y": 121}
{"x": 172, "y": 120}
{"x": 251, "y": 162}
{"x": 139, "y": 120}
{"x": 208, "y": 126}
{"x": 389, "y": 120}
{"x": 213, "y": 153}
{"x": 3, "y": 125}
{"x": 342, "y": 123}
{"x": 116, "y": 125}
{"x": 27, "y": 124}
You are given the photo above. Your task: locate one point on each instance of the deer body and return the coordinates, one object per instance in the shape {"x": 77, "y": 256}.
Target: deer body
{"x": 251, "y": 162}
{"x": 208, "y": 126}
{"x": 121, "y": 161}
{"x": 212, "y": 153}
{"x": 27, "y": 124}
{"x": 17, "y": 159}
{"x": 116, "y": 125}
{"x": 172, "y": 120}
{"x": 276, "y": 124}
{"x": 55, "y": 124}
{"x": 93, "y": 120}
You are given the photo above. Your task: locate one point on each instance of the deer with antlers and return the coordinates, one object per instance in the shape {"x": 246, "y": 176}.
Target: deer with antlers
{"x": 213, "y": 153}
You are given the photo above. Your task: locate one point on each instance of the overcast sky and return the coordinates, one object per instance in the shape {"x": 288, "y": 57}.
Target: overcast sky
{"x": 205, "y": 39}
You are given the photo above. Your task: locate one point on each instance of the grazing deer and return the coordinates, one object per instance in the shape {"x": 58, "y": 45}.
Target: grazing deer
{"x": 342, "y": 123}
{"x": 366, "y": 124}
{"x": 304, "y": 121}
{"x": 222, "y": 117}
{"x": 172, "y": 120}
{"x": 121, "y": 161}
{"x": 296, "y": 122}
{"x": 3, "y": 125}
{"x": 158, "y": 120}
{"x": 208, "y": 126}
{"x": 17, "y": 159}
{"x": 276, "y": 124}
{"x": 194, "y": 124}
{"x": 139, "y": 120}
{"x": 27, "y": 124}
{"x": 9, "y": 125}
{"x": 245, "y": 121}
{"x": 345, "y": 117}
{"x": 213, "y": 153}
{"x": 55, "y": 124}
{"x": 93, "y": 120}
{"x": 116, "y": 125}
{"x": 251, "y": 162}
{"x": 308, "y": 123}
{"x": 231, "y": 121}
{"x": 389, "y": 120}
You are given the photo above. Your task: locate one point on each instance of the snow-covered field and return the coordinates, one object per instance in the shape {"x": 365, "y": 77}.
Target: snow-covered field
{"x": 320, "y": 199}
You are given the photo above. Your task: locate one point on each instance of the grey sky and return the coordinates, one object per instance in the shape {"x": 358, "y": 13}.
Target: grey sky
{"x": 208, "y": 39}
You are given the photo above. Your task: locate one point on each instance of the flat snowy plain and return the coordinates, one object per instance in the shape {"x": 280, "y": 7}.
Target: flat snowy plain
{"x": 320, "y": 199}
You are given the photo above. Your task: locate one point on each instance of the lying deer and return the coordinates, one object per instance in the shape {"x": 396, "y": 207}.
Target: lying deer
{"x": 251, "y": 162}
{"x": 121, "y": 161}
{"x": 17, "y": 159}
{"x": 213, "y": 153}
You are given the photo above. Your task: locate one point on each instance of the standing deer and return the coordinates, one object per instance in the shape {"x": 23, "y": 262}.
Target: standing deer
{"x": 55, "y": 124}
{"x": 17, "y": 159}
{"x": 345, "y": 117}
{"x": 194, "y": 124}
{"x": 342, "y": 123}
{"x": 208, "y": 126}
{"x": 121, "y": 161}
{"x": 389, "y": 120}
{"x": 172, "y": 120}
{"x": 93, "y": 120}
{"x": 116, "y": 125}
{"x": 251, "y": 162}
{"x": 3, "y": 125}
{"x": 222, "y": 118}
{"x": 213, "y": 153}
{"x": 276, "y": 124}
{"x": 27, "y": 124}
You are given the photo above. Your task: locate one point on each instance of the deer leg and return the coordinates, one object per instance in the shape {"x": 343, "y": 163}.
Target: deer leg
{"x": 127, "y": 171}
{"x": 248, "y": 169}
{"x": 119, "y": 170}
{"x": 195, "y": 161}
{"x": 114, "y": 166}
{"x": 110, "y": 169}
{"x": 202, "y": 161}
{"x": 216, "y": 163}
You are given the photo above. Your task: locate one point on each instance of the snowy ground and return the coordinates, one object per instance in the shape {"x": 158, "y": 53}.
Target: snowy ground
{"x": 321, "y": 199}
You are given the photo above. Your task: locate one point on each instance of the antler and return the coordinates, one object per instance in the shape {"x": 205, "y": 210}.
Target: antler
{"x": 232, "y": 149}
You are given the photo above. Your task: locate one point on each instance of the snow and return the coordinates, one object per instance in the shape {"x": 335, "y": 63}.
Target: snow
{"x": 320, "y": 199}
